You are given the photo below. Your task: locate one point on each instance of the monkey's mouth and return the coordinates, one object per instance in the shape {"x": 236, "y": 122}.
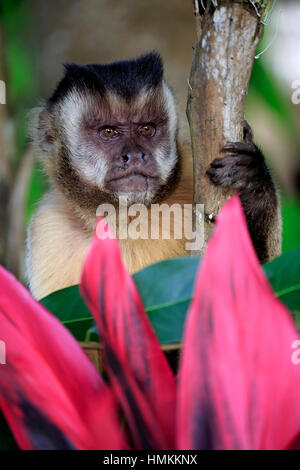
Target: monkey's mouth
{"x": 133, "y": 182}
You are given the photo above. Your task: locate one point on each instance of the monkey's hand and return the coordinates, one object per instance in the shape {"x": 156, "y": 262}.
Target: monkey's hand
{"x": 244, "y": 170}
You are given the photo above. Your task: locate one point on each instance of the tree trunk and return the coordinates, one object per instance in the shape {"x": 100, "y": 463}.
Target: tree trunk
{"x": 227, "y": 36}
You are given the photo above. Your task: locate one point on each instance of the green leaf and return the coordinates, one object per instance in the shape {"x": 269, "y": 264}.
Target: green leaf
{"x": 165, "y": 288}
{"x": 290, "y": 209}
{"x": 68, "y": 306}
{"x": 284, "y": 276}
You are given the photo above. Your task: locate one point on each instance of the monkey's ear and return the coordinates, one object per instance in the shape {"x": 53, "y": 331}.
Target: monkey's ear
{"x": 42, "y": 132}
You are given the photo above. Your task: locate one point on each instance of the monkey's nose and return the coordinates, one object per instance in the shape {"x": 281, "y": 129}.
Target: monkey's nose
{"x": 133, "y": 157}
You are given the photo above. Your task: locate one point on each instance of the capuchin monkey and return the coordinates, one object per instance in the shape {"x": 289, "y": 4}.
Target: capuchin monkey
{"x": 110, "y": 132}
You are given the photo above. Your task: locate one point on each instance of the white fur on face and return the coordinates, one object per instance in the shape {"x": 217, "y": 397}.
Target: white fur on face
{"x": 168, "y": 103}
{"x": 165, "y": 163}
{"x": 171, "y": 110}
{"x": 91, "y": 163}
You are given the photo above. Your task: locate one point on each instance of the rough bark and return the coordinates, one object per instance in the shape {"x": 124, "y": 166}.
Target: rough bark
{"x": 227, "y": 37}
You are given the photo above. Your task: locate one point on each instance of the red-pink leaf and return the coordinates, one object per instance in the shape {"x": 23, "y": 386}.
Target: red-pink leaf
{"x": 238, "y": 386}
{"x": 50, "y": 392}
{"x": 138, "y": 369}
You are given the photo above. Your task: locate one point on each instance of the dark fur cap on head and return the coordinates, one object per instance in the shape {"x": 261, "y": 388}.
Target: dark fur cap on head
{"x": 125, "y": 78}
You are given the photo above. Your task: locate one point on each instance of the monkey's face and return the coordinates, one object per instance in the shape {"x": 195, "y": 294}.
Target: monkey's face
{"x": 131, "y": 145}
{"x": 117, "y": 127}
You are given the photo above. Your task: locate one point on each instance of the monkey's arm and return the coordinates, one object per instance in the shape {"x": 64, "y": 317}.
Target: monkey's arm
{"x": 56, "y": 248}
{"x": 244, "y": 170}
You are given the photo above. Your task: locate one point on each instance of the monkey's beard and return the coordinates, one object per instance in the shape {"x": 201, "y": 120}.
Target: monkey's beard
{"x": 154, "y": 193}
{"x": 87, "y": 197}
{"x": 135, "y": 187}
{"x": 144, "y": 197}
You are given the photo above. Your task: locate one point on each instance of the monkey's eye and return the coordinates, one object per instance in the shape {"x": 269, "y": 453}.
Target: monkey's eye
{"x": 109, "y": 132}
{"x": 147, "y": 130}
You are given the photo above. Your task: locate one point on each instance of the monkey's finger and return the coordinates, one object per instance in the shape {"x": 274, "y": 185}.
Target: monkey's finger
{"x": 227, "y": 180}
{"x": 218, "y": 162}
{"x": 219, "y": 173}
{"x": 231, "y": 160}
{"x": 222, "y": 181}
{"x": 240, "y": 147}
{"x": 248, "y": 133}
